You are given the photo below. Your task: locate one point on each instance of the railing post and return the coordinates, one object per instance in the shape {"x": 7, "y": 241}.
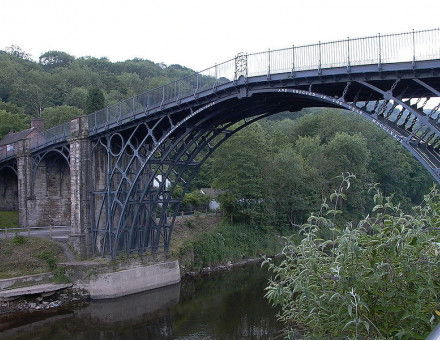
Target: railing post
{"x": 107, "y": 116}
{"x": 268, "y": 66}
{"x": 293, "y": 61}
{"x": 163, "y": 96}
{"x": 379, "y": 65}
{"x": 319, "y": 57}
{"x": 348, "y": 54}
{"x": 197, "y": 85}
{"x": 414, "y": 49}
{"x": 215, "y": 75}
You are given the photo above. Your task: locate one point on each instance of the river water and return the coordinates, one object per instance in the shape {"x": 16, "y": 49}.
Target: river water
{"x": 225, "y": 305}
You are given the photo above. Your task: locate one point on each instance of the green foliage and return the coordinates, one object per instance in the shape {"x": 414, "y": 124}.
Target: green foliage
{"x": 51, "y": 59}
{"x": 60, "y": 114}
{"x": 195, "y": 199}
{"x": 189, "y": 223}
{"x": 230, "y": 243}
{"x": 11, "y": 108}
{"x": 59, "y": 275}
{"x": 77, "y": 97}
{"x": 377, "y": 279}
{"x": 11, "y": 122}
{"x": 8, "y": 219}
{"x": 29, "y": 257}
{"x": 276, "y": 171}
{"x": 18, "y": 239}
{"x": 60, "y": 79}
{"x": 50, "y": 259}
{"x": 95, "y": 100}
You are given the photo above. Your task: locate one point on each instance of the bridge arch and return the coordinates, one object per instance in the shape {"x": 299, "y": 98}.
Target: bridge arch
{"x": 8, "y": 187}
{"x": 183, "y": 144}
{"x": 50, "y": 183}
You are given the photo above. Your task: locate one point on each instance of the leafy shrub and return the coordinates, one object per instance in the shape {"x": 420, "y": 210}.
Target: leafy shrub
{"x": 18, "y": 239}
{"x": 50, "y": 258}
{"x": 234, "y": 242}
{"x": 377, "y": 279}
{"x": 189, "y": 223}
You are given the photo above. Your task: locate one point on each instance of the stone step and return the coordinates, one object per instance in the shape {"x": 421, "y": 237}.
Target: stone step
{"x": 46, "y": 289}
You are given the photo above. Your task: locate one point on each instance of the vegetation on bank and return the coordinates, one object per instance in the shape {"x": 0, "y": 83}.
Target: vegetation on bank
{"x": 207, "y": 241}
{"x": 375, "y": 279}
{"x": 21, "y": 256}
{"x": 276, "y": 172}
{"x": 8, "y": 219}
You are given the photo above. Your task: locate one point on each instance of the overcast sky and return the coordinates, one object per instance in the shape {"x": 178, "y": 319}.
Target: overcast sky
{"x": 198, "y": 33}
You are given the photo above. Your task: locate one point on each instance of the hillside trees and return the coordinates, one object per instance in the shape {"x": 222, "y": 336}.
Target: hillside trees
{"x": 276, "y": 172}
{"x": 12, "y": 122}
{"x": 95, "y": 100}
{"x": 60, "y": 114}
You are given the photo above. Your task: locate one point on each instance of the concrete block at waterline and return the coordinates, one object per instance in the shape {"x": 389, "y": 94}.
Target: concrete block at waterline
{"x": 133, "y": 280}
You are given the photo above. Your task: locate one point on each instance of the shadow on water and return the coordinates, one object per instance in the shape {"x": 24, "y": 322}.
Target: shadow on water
{"x": 227, "y": 305}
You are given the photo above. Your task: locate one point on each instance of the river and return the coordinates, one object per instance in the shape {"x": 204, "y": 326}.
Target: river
{"x": 225, "y": 305}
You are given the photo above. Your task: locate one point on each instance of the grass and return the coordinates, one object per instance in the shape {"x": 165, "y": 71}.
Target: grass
{"x": 28, "y": 255}
{"x": 8, "y": 219}
{"x": 202, "y": 242}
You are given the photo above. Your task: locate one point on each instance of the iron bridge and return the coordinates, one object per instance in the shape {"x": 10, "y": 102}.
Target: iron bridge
{"x": 145, "y": 147}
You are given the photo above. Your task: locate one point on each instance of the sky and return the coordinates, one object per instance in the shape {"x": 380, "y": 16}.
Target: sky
{"x": 197, "y": 33}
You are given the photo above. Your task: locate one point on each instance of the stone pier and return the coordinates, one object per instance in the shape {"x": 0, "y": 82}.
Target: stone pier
{"x": 80, "y": 177}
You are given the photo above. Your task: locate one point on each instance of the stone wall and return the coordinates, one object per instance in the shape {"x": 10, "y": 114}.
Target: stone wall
{"x": 49, "y": 202}
{"x": 8, "y": 190}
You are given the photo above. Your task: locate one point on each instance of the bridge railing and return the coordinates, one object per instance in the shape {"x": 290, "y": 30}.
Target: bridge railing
{"x": 51, "y": 136}
{"x": 7, "y": 151}
{"x": 159, "y": 96}
{"x": 379, "y": 49}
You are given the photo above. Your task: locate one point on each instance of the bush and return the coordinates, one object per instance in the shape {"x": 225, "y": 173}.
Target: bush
{"x": 233, "y": 242}
{"x": 378, "y": 279}
{"x": 18, "y": 239}
{"x": 50, "y": 258}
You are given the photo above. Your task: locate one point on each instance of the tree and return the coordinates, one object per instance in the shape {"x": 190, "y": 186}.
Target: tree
{"x": 77, "y": 97}
{"x": 60, "y": 114}
{"x": 10, "y": 122}
{"x": 95, "y": 100}
{"x": 11, "y": 107}
{"x": 51, "y": 59}
{"x": 18, "y": 52}
{"x": 31, "y": 96}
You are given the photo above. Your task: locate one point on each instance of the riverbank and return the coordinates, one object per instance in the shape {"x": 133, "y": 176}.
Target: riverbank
{"x": 220, "y": 244}
{"x": 22, "y": 255}
{"x": 224, "y": 305}
{"x": 203, "y": 245}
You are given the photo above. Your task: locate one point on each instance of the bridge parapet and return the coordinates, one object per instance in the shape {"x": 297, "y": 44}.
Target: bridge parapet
{"x": 7, "y": 152}
{"x": 50, "y": 136}
{"x": 376, "y": 50}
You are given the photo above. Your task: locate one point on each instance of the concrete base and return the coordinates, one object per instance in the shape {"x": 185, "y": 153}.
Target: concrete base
{"x": 44, "y": 290}
{"x": 133, "y": 280}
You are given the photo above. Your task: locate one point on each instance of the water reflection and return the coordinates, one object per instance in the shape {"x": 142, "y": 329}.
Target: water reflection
{"x": 228, "y": 305}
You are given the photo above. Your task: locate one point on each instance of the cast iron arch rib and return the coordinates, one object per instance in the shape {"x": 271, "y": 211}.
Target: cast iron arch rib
{"x": 172, "y": 152}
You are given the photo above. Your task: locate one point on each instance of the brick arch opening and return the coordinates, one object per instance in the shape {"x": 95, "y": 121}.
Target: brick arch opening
{"x": 49, "y": 204}
{"x": 8, "y": 189}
